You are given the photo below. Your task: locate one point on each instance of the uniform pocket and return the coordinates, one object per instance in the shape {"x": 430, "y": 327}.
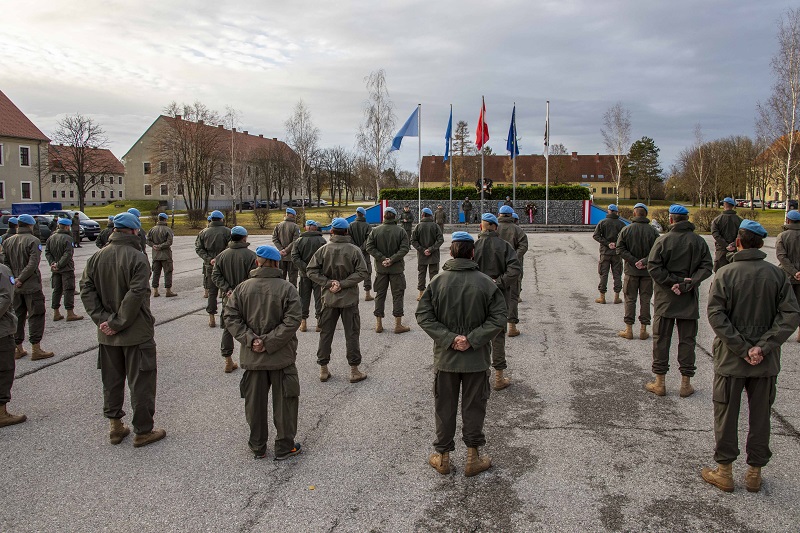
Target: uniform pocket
{"x": 147, "y": 356}
{"x": 291, "y": 382}
{"x": 721, "y": 392}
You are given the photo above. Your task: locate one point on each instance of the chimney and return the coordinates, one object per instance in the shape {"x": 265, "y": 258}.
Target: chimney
{"x": 245, "y": 132}
{"x": 260, "y": 136}
{"x": 221, "y": 126}
{"x": 201, "y": 122}
{"x": 233, "y": 130}
{"x": 275, "y": 139}
{"x": 597, "y": 157}
{"x": 574, "y": 156}
{"x": 177, "y": 117}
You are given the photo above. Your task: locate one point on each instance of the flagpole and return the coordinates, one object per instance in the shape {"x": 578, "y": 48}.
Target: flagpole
{"x": 547, "y": 165}
{"x": 419, "y": 162}
{"x": 483, "y": 121}
{"x": 451, "y": 166}
{"x": 513, "y": 156}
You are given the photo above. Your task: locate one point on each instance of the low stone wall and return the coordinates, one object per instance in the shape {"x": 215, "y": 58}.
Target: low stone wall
{"x": 566, "y": 212}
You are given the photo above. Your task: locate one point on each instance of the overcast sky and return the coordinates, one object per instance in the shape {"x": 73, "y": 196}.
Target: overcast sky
{"x": 673, "y": 64}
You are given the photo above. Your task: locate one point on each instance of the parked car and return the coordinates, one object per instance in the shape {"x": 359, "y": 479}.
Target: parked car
{"x": 91, "y": 229}
{"x": 246, "y": 205}
{"x": 321, "y": 203}
{"x": 740, "y": 202}
{"x": 264, "y": 204}
{"x": 296, "y": 202}
{"x": 754, "y": 204}
{"x": 45, "y": 229}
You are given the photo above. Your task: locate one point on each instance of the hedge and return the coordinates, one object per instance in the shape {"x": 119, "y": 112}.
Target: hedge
{"x": 557, "y": 192}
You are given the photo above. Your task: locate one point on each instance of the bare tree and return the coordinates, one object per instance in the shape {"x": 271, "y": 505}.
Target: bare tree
{"x": 376, "y": 132}
{"x": 303, "y": 137}
{"x": 238, "y": 160}
{"x": 617, "y": 137}
{"x": 558, "y": 149}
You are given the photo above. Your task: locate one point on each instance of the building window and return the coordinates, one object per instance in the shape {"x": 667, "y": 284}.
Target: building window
{"x": 603, "y": 190}
{"x": 62, "y": 178}
{"x": 94, "y": 194}
{"x": 54, "y": 178}
{"x": 249, "y": 188}
{"x": 24, "y": 156}
{"x": 26, "y": 190}
{"x": 583, "y": 176}
{"x": 180, "y": 189}
{"x": 1, "y": 155}
{"x": 148, "y": 190}
{"x": 594, "y": 190}
{"x": 212, "y": 190}
{"x": 146, "y": 168}
{"x": 162, "y": 167}
{"x": 222, "y": 190}
{"x": 111, "y": 193}
{"x": 601, "y": 176}
{"x": 54, "y": 194}
{"x": 120, "y": 180}
{"x": 2, "y": 185}
{"x": 120, "y": 194}
{"x": 163, "y": 189}
{"x": 72, "y": 194}
{"x": 102, "y": 194}
{"x": 63, "y": 194}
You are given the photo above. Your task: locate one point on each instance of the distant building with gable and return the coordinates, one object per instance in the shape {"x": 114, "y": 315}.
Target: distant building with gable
{"x": 23, "y": 156}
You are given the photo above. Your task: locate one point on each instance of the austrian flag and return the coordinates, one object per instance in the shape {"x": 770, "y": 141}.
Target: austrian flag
{"x": 482, "y": 131}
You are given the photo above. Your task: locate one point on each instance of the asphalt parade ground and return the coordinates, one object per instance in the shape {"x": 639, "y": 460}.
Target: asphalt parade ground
{"x": 576, "y": 443}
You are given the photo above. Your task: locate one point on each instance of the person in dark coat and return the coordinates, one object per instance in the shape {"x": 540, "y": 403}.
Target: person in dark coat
{"x": 606, "y": 233}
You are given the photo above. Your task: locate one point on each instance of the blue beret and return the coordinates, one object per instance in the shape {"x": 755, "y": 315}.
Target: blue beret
{"x": 217, "y": 214}
{"x": 640, "y": 205}
{"x": 65, "y": 222}
{"x": 111, "y": 218}
{"x": 390, "y": 210}
{"x": 506, "y": 210}
{"x": 127, "y": 220}
{"x": 27, "y": 219}
{"x": 677, "y": 209}
{"x": 515, "y": 216}
{"x": 729, "y": 200}
{"x": 361, "y": 210}
{"x": 268, "y": 252}
{"x": 340, "y": 223}
{"x": 462, "y": 236}
{"x": 794, "y": 215}
{"x": 314, "y": 223}
{"x": 613, "y": 207}
{"x": 13, "y": 220}
{"x": 290, "y": 211}
{"x": 208, "y": 218}
{"x": 488, "y": 217}
{"x": 135, "y": 212}
{"x": 427, "y": 211}
{"x": 238, "y": 230}
{"x": 163, "y": 215}
{"x": 755, "y": 227}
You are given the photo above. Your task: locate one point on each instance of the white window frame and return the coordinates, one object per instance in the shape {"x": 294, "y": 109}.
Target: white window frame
{"x": 163, "y": 190}
{"x": 146, "y": 185}
{"x": 120, "y": 193}
{"x": 94, "y": 193}
{"x": 20, "y": 156}
{"x": 144, "y": 169}
{"x": 2, "y": 189}
{"x": 2, "y": 156}
{"x": 21, "y": 194}
{"x": 55, "y": 194}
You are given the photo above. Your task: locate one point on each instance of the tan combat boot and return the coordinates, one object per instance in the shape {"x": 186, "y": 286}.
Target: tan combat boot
{"x": 512, "y": 330}
{"x": 440, "y": 461}
{"x": 476, "y": 463}
{"x": 419, "y": 295}
{"x": 356, "y": 375}
{"x": 721, "y": 476}
{"x": 57, "y": 315}
{"x": 37, "y": 353}
{"x": 155, "y": 292}
{"x": 324, "y": 373}
{"x": 205, "y": 294}
{"x": 752, "y": 479}
{"x": 686, "y": 387}
{"x": 230, "y": 366}
{"x": 626, "y": 333}
{"x": 211, "y": 321}
{"x": 601, "y": 299}
{"x": 643, "y": 335}
{"x": 657, "y": 387}
{"x": 118, "y": 431}
{"x": 19, "y": 352}
{"x": 148, "y": 438}
{"x": 170, "y": 294}
{"x": 500, "y": 382}
{"x": 617, "y": 299}
{"x": 303, "y": 325}
{"x": 72, "y": 317}
{"x": 7, "y": 419}
{"x": 398, "y": 325}
{"x": 368, "y": 297}
{"x": 378, "y": 324}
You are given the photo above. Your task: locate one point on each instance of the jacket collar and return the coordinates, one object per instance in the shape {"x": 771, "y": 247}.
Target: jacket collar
{"x": 161, "y": 222}
{"x": 751, "y": 254}
{"x": 683, "y": 225}
{"x": 265, "y": 272}
{"x": 487, "y": 234}
{"x": 341, "y": 238}
{"x": 238, "y": 244}
{"x": 312, "y": 233}
{"x": 393, "y": 221}
{"x": 217, "y": 223}
{"x": 460, "y": 264}
{"x": 125, "y": 239}
{"x": 641, "y": 220}
{"x": 612, "y": 215}
{"x": 792, "y": 225}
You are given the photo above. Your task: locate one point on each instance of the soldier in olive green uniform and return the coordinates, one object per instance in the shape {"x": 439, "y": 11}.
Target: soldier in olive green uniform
{"x": 209, "y": 244}
{"x": 160, "y": 240}
{"x": 75, "y": 228}
{"x": 22, "y": 254}
{"x": 426, "y": 239}
{"x": 102, "y": 238}
{"x": 606, "y": 233}
{"x": 497, "y": 259}
{"x": 115, "y": 293}
{"x": 752, "y": 310}
{"x": 787, "y": 249}
{"x": 231, "y": 267}
{"x": 8, "y": 326}
{"x": 140, "y": 233}
{"x": 440, "y": 217}
{"x": 59, "y": 256}
{"x": 12, "y": 227}
{"x": 359, "y": 231}
{"x": 462, "y": 310}
{"x": 466, "y": 206}
{"x": 263, "y": 314}
{"x": 724, "y": 229}
{"x": 283, "y": 237}
{"x": 678, "y": 263}
{"x": 633, "y": 246}
{"x": 388, "y": 244}
{"x": 510, "y": 232}
{"x": 338, "y": 268}
{"x": 302, "y": 252}
{"x": 407, "y": 220}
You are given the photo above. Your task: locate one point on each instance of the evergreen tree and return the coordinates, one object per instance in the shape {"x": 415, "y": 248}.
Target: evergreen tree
{"x": 643, "y": 168}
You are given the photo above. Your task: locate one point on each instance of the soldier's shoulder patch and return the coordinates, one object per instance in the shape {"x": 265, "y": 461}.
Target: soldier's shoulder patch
{"x": 40, "y": 247}
{"x": 12, "y": 280}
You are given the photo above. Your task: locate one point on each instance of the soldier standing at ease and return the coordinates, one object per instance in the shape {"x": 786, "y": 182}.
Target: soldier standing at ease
{"x": 407, "y": 220}
{"x": 160, "y": 239}
{"x": 633, "y": 246}
{"x": 724, "y": 229}
{"x": 115, "y": 293}
{"x": 497, "y": 259}
{"x": 606, "y": 233}
{"x": 142, "y": 236}
{"x": 466, "y": 206}
{"x": 59, "y": 252}
{"x": 440, "y": 217}
{"x": 12, "y": 227}
{"x": 23, "y": 252}
{"x": 388, "y": 244}
{"x": 338, "y": 268}
{"x": 426, "y": 239}
{"x": 678, "y": 263}
{"x": 283, "y": 237}
{"x": 516, "y": 237}
{"x": 508, "y": 202}
{"x": 231, "y": 267}
{"x": 752, "y": 310}
{"x": 263, "y": 314}
{"x": 209, "y": 244}
{"x": 462, "y": 310}
{"x": 76, "y": 230}
{"x": 8, "y": 326}
{"x": 787, "y": 249}
{"x": 359, "y": 231}
{"x": 302, "y": 252}
{"x": 102, "y": 238}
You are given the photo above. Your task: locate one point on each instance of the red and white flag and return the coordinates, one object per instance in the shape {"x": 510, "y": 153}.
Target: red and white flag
{"x": 482, "y": 131}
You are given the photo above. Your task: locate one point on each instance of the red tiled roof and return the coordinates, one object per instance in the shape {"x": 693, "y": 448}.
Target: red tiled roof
{"x": 104, "y": 161}
{"x": 14, "y": 123}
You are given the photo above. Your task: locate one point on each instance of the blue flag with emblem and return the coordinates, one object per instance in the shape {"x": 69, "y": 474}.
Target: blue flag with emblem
{"x": 511, "y": 144}
{"x": 447, "y": 135}
{"x": 409, "y": 129}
